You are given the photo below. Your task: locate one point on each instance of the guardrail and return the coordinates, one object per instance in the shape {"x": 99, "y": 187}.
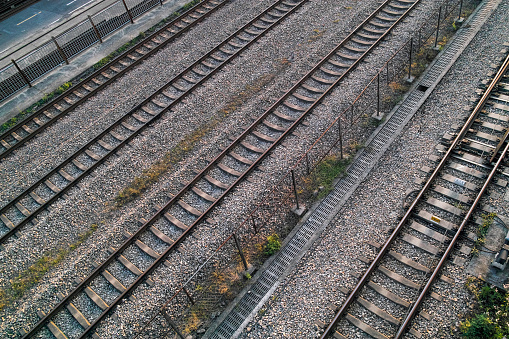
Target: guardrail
{"x": 56, "y": 51}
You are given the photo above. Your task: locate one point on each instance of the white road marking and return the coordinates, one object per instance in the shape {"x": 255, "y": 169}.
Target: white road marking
{"x": 71, "y": 2}
{"x": 80, "y": 7}
{"x": 28, "y": 18}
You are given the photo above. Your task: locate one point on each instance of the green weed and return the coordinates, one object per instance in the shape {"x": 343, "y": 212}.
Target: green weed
{"x": 492, "y": 318}
{"x": 27, "y": 112}
{"x": 28, "y": 278}
{"x": 324, "y": 174}
{"x": 273, "y": 244}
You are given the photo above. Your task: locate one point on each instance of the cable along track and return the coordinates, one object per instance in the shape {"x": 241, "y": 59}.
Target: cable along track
{"x": 390, "y": 292}
{"x": 17, "y": 136}
{"x": 25, "y": 208}
{"x": 178, "y": 217}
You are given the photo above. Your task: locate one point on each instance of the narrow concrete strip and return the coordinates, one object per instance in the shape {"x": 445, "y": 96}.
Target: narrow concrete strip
{"x": 231, "y": 323}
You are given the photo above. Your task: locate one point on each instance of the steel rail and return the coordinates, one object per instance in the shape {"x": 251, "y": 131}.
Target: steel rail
{"x": 61, "y": 305}
{"x": 255, "y": 164}
{"x": 40, "y": 112}
{"x": 155, "y": 217}
{"x": 426, "y": 288}
{"x": 352, "y": 296}
{"x": 26, "y": 192}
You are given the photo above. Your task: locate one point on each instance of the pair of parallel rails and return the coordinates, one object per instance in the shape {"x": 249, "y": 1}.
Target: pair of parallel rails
{"x": 125, "y": 129}
{"x": 235, "y": 162}
{"x": 17, "y": 136}
{"x": 391, "y": 291}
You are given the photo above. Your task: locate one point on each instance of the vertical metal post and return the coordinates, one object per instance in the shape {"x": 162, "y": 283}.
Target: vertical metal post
{"x": 161, "y": 2}
{"x": 23, "y": 75}
{"x": 438, "y": 25}
{"x": 351, "y": 116}
{"x": 95, "y": 29}
{"x": 188, "y": 295}
{"x": 410, "y": 59}
{"x": 172, "y": 324}
{"x": 244, "y": 262}
{"x": 461, "y": 8}
{"x": 419, "y": 41}
{"x": 378, "y": 95}
{"x": 340, "y": 138}
{"x": 60, "y": 50}
{"x": 295, "y": 190}
{"x": 254, "y": 224}
{"x": 128, "y": 12}
{"x": 387, "y": 68}
{"x": 307, "y": 163}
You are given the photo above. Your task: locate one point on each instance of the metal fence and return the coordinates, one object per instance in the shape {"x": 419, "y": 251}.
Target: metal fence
{"x": 219, "y": 277}
{"x": 23, "y": 71}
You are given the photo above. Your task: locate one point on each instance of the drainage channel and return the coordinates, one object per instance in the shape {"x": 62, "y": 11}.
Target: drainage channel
{"x": 231, "y": 323}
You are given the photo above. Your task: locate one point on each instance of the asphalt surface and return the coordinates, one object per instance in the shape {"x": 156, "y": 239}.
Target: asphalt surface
{"x": 38, "y": 22}
{"x": 42, "y": 18}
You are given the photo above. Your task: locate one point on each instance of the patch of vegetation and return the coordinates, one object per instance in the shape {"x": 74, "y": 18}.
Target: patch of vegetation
{"x": 422, "y": 59}
{"x": 28, "y": 278}
{"x": 273, "y": 244}
{"x": 492, "y": 318}
{"x": 150, "y": 175}
{"x": 45, "y": 99}
{"x": 325, "y": 172}
{"x": 482, "y": 231}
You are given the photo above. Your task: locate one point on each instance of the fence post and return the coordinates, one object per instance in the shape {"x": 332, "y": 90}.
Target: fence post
{"x": 244, "y": 262}
{"x": 172, "y": 324}
{"x": 23, "y": 75}
{"x": 60, "y": 50}
{"x": 438, "y": 25}
{"x": 410, "y": 59}
{"x": 188, "y": 296}
{"x": 295, "y": 190}
{"x": 128, "y": 12}
{"x": 387, "y": 67}
{"x": 254, "y": 224}
{"x": 351, "y": 116}
{"x": 378, "y": 94}
{"x": 340, "y": 138}
{"x": 307, "y": 163}
{"x": 95, "y": 29}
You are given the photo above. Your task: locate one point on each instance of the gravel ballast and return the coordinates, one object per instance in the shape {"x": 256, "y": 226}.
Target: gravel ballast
{"x": 90, "y": 203}
{"x": 302, "y": 298}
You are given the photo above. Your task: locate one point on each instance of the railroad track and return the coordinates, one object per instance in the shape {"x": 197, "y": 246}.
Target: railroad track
{"x": 171, "y": 224}
{"x": 390, "y": 292}
{"x": 17, "y": 136}
{"x": 25, "y": 208}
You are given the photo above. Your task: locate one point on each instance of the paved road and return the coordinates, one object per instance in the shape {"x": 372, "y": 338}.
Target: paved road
{"x": 40, "y": 18}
